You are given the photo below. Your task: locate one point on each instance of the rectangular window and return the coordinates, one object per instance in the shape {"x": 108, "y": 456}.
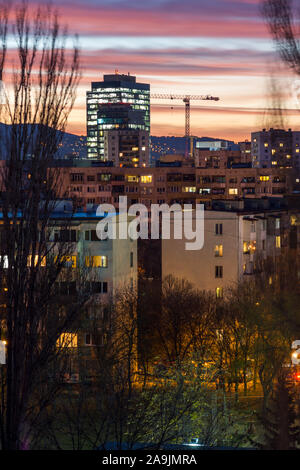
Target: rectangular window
{"x": 131, "y": 259}
{"x": 219, "y": 250}
{"x": 67, "y": 340}
{"x": 233, "y": 191}
{"x": 96, "y": 261}
{"x": 76, "y": 176}
{"x": 146, "y": 179}
{"x": 94, "y": 237}
{"x": 42, "y": 261}
{"x": 88, "y": 339}
{"x": 68, "y": 261}
{"x": 218, "y": 272}
{"x": 219, "y": 292}
{"x": 246, "y": 248}
{"x": 219, "y": 229}
{"x": 4, "y": 261}
{"x": 278, "y": 241}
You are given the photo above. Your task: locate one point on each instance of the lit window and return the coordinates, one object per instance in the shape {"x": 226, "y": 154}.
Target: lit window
{"x": 219, "y": 250}
{"x": 5, "y": 261}
{"x": 293, "y": 220}
{"x": 146, "y": 179}
{"x": 278, "y": 241}
{"x": 233, "y": 191}
{"x": 189, "y": 189}
{"x": 277, "y": 223}
{"x": 69, "y": 261}
{"x": 36, "y": 260}
{"x": 246, "y": 248}
{"x": 132, "y": 179}
{"x": 219, "y": 292}
{"x": 266, "y": 144}
{"x": 96, "y": 261}
{"x": 249, "y": 247}
{"x": 264, "y": 178}
{"x": 67, "y": 340}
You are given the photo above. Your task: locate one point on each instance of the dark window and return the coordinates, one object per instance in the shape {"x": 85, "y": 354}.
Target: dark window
{"x": 88, "y": 339}
{"x": 218, "y": 271}
{"x": 219, "y": 229}
{"x": 104, "y": 289}
{"x": 96, "y": 287}
{"x": 94, "y": 237}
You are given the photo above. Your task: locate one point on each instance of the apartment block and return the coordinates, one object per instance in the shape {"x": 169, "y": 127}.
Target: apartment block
{"x": 235, "y": 238}
{"x": 275, "y": 148}
{"x": 94, "y": 183}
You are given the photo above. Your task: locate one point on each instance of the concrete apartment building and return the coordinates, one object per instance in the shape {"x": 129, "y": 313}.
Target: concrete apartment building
{"x": 128, "y": 148}
{"x": 109, "y": 263}
{"x": 275, "y": 148}
{"x": 92, "y": 183}
{"x": 216, "y": 158}
{"x": 234, "y": 239}
{"x": 93, "y": 270}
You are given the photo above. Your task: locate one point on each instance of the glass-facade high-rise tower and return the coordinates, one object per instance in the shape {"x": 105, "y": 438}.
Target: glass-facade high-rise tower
{"x": 114, "y": 88}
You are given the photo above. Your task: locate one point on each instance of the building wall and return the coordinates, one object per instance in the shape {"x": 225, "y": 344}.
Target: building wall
{"x": 96, "y": 185}
{"x": 216, "y": 158}
{"x": 128, "y": 148}
{"x": 275, "y": 148}
{"x": 245, "y": 238}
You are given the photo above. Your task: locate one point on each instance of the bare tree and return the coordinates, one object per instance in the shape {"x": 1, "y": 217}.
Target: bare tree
{"x": 38, "y": 99}
{"x": 284, "y": 30}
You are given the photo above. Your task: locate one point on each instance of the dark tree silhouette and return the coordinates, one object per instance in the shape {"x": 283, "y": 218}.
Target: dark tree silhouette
{"x": 39, "y": 96}
{"x": 281, "y": 22}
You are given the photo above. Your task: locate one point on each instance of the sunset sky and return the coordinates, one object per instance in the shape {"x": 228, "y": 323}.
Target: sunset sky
{"x": 217, "y": 47}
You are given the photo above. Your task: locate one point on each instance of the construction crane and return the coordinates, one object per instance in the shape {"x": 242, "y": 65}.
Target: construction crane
{"x": 186, "y": 99}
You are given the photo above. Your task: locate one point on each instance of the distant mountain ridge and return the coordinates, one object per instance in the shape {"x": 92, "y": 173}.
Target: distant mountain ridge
{"x": 74, "y": 146}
